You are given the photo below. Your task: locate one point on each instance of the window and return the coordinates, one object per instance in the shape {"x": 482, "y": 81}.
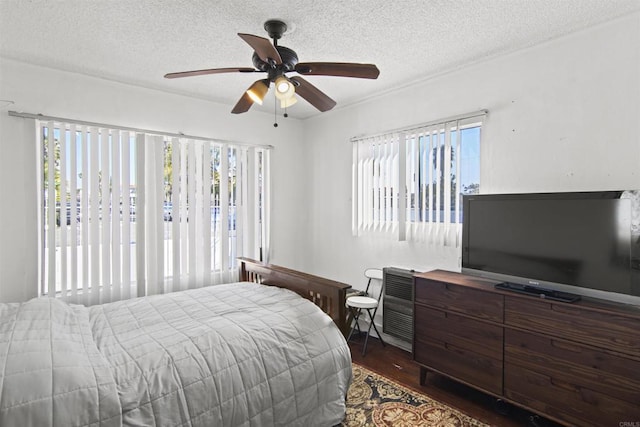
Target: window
{"x": 410, "y": 182}
{"x": 127, "y": 213}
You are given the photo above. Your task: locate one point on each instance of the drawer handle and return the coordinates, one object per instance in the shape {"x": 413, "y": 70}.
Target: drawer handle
{"x": 565, "y": 385}
{"x": 566, "y": 346}
{"x": 565, "y": 310}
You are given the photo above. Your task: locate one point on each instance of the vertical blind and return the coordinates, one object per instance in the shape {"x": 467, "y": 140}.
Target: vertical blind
{"x": 128, "y": 213}
{"x": 408, "y": 183}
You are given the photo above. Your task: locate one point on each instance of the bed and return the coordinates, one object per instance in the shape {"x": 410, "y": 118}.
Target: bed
{"x": 252, "y": 353}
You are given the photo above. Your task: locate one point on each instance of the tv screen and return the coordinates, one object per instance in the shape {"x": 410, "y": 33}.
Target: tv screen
{"x": 584, "y": 239}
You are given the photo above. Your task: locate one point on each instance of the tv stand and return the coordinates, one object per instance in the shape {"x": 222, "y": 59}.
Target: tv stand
{"x": 538, "y": 292}
{"x": 577, "y": 364}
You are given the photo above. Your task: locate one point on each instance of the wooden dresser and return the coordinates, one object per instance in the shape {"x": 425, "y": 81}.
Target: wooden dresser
{"x": 575, "y": 363}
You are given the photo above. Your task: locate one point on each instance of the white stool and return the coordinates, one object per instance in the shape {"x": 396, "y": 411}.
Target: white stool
{"x": 369, "y": 304}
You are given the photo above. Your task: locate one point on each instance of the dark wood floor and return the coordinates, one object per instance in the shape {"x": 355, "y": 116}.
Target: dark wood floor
{"x": 395, "y": 363}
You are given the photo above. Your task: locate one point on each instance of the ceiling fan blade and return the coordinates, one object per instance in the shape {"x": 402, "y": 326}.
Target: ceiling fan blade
{"x": 243, "y": 104}
{"x": 209, "y": 71}
{"x": 313, "y": 95}
{"x": 341, "y": 69}
{"x": 263, "y": 47}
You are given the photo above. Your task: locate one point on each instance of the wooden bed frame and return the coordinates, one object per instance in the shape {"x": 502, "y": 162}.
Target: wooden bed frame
{"x": 327, "y": 294}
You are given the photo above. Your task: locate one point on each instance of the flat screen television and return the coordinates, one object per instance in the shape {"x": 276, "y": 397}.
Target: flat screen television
{"x": 570, "y": 242}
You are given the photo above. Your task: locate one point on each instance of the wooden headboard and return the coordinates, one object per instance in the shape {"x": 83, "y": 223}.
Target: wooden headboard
{"x": 327, "y": 294}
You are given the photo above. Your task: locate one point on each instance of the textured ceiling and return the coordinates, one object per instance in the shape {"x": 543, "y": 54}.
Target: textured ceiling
{"x": 138, "y": 41}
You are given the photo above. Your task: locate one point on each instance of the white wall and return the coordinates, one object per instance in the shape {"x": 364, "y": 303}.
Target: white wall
{"x": 41, "y": 90}
{"x": 563, "y": 116}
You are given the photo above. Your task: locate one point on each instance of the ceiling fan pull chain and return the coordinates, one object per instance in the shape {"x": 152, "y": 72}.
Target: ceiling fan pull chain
{"x": 275, "y": 112}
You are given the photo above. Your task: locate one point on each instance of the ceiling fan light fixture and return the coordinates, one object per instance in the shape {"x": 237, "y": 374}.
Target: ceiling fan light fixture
{"x": 284, "y": 88}
{"x": 286, "y": 103}
{"x": 258, "y": 91}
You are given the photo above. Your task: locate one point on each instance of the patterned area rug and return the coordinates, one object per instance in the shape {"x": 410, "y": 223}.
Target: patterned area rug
{"x": 374, "y": 400}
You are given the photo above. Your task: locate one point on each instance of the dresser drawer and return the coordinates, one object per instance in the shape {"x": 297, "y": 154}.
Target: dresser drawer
{"x": 566, "y": 362}
{"x": 472, "y": 335}
{"x": 462, "y": 299}
{"x": 573, "y": 404}
{"x": 573, "y": 322}
{"x": 463, "y": 365}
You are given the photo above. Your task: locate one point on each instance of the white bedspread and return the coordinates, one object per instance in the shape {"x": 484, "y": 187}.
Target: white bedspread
{"x": 227, "y": 355}
{"x": 51, "y": 372}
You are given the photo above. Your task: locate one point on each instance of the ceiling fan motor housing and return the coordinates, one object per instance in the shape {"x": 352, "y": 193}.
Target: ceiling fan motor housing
{"x": 289, "y": 60}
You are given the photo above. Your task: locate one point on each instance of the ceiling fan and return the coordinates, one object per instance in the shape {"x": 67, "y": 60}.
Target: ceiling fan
{"x": 277, "y": 61}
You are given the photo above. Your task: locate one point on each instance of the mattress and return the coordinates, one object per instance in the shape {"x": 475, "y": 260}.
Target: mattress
{"x": 240, "y": 354}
